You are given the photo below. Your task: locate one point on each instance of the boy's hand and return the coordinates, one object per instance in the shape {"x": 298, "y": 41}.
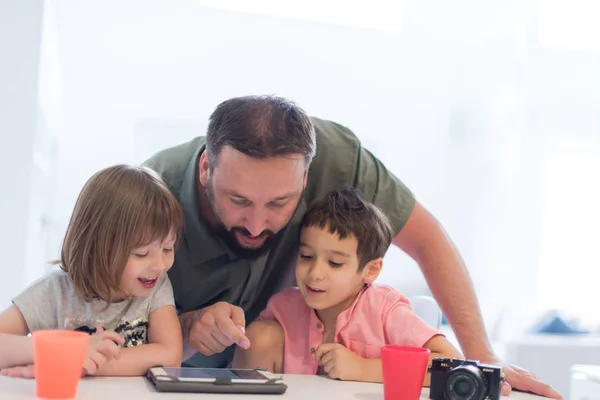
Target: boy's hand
{"x": 102, "y": 348}
{"x": 26, "y": 371}
{"x": 339, "y": 362}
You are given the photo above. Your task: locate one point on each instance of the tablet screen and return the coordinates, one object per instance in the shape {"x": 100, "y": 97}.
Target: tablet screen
{"x": 211, "y": 373}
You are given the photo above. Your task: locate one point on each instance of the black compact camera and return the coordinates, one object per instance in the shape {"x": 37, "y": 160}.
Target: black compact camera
{"x": 454, "y": 379}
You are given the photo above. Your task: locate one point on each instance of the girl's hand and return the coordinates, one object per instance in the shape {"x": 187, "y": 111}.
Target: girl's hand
{"x": 26, "y": 371}
{"x": 102, "y": 348}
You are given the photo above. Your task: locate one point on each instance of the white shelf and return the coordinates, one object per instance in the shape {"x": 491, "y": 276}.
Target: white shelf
{"x": 585, "y": 382}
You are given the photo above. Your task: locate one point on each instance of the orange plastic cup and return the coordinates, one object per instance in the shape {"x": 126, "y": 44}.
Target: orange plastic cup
{"x": 58, "y": 361}
{"x": 404, "y": 370}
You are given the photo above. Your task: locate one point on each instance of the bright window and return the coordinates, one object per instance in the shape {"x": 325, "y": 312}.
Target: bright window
{"x": 570, "y": 261}
{"x": 570, "y": 25}
{"x": 378, "y": 14}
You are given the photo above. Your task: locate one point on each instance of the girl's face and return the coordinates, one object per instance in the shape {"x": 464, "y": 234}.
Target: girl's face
{"x": 146, "y": 265}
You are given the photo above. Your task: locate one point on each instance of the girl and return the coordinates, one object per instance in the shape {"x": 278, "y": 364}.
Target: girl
{"x": 112, "y": 281}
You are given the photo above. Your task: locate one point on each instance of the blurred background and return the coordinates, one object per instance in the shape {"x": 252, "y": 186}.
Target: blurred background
{"x": 489, "y": 111}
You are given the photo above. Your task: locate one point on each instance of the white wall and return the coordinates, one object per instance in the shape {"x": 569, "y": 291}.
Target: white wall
{"x": 459, "y": 102}
{"x": 20, "y": 33}
{"x": 422, "y": 98}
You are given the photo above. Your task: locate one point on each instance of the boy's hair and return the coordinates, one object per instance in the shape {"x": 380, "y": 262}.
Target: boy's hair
{"x": 345, "y": 212}
{"x": 119, "y": 209}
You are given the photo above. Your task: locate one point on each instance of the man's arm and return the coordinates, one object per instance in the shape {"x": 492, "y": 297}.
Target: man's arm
{"x": 212, "y": 329}
{"x": 427, "y": 243}
{"x": 423, "y": 239}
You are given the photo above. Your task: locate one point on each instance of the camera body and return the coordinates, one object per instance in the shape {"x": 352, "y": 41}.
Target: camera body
{"x": 455, "y": 379}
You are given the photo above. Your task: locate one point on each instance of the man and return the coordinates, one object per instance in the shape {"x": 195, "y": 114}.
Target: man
{"x": 244, "y": 188}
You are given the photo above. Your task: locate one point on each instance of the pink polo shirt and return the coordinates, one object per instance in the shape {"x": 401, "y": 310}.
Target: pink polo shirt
{"x": 380, "y": 315}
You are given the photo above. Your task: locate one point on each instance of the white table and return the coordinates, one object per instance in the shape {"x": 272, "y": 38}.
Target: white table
{"x": 300, "y": 387}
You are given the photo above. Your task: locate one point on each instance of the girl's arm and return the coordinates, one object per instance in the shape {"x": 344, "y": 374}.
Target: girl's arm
{"x": 16, "y": 348}
{"x": 164, "y": 347}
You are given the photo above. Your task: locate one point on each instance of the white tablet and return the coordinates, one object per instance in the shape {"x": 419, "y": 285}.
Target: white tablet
{"x": 212, "y": 374}
{"x": 215, "y": 380}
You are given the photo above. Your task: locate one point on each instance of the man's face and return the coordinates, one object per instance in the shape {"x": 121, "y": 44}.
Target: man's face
{"x": 252, "y": 199}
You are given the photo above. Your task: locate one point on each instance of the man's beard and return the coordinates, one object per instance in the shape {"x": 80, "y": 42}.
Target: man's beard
{"x": 229, "y": 235}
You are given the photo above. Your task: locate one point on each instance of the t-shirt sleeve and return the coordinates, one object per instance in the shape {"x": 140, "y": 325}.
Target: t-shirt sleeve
{"x": 342, "y": 160}
{"x": 38, "y": 303}
{"x": 404, "y": 328}
{"x": 382, "y": 188}
{"x": 162, "y": 295}
{"x": 271, "y": 310}
{"x": 283, "y": 306}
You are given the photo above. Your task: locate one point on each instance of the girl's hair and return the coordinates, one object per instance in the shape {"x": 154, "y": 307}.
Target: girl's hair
{"x": 119, "y": 209}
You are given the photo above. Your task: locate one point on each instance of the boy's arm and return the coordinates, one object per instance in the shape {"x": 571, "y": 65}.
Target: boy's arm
{"x": 440, "y": 347}
{"x": 266, "y": 334}
{"x": 164, "y": 347}
{"x": 266, "y": 350}
{"x": 401, "y": 319}
{"x": 16, "y": 348}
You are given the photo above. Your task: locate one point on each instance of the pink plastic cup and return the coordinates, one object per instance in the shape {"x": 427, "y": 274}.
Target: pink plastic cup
{"x": 58, "y": 358}
{"x": 404, "y": 369}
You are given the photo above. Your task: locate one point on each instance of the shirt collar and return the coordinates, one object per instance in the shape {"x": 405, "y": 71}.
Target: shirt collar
{"x": 347, "y": 313}
{"x": 344, "y": 317}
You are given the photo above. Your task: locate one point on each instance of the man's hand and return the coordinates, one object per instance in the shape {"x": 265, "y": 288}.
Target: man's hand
{"x": 217, "y": 327}
{"x": 339, "y": 362}
{"x": 520, "y": 379}
{"x": 102, "y": 348}
{"x": 26, "y": 371}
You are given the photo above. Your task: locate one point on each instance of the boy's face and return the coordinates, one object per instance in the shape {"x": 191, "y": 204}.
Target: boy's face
{"x": 327, "y": 269}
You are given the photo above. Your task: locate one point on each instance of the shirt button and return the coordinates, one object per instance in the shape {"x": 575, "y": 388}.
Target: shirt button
{"x": 319, "y": 325}
{"x": 312, "y": 350}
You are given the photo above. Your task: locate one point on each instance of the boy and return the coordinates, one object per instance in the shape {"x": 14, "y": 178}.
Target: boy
{"x": 336, "y": 320}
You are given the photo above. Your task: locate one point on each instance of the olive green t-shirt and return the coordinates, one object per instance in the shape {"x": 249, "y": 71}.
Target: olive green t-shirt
{"x": 207, "y": 271}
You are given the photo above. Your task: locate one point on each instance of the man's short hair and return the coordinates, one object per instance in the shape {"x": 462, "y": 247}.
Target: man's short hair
{"x": 260, "y": 127}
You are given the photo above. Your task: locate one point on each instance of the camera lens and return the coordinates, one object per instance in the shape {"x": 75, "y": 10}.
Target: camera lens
{"x": 465, "y": 383}
{"x": 462, "y": 387}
